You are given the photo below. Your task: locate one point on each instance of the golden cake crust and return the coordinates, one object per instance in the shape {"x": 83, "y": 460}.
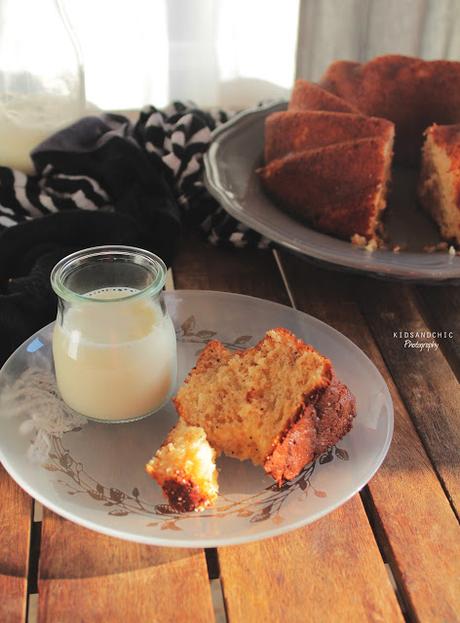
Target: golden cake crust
{"x": 310, "y": 96}
{"x": 295, "y": 131}
{"x": 325, "y": 419}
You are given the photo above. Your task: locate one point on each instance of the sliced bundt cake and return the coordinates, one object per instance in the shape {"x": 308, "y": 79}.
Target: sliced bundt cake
{"x": 328, "y": 157}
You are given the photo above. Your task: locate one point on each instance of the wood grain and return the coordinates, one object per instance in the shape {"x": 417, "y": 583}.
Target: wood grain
{"x": 427, "y": 383}
{"x": 200, "y": 266}
{"x": 85, "y": 576}
{"x": 329, "y": 571}
{"x": 442, "y": 310}
{"x": 15, "y": 523}
{"x": 356, "y": 571}
{"x": 419, "y": 530}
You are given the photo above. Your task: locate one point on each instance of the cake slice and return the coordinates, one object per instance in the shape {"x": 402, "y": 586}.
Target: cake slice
{"x": 293, "y": 131}
{"x": 185, "y": 469}
{"x": 339, "y": 189}
{"x": 439, "y": 184}
{"x": 310, "y": 96}
{"x": 261, "y": 404}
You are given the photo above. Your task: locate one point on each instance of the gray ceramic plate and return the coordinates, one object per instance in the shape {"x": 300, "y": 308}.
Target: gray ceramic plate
{"x": 95, "y": 475}
{"x": 231, "y": 163}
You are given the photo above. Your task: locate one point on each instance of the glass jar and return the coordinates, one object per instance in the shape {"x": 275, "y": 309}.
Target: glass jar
{"x": 114, "y": 344}
{"x": 42, "y": 85}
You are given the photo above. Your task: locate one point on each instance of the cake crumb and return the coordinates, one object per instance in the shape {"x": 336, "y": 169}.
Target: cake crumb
{"x": 358, "y": 240}
{"x": 372, "y": 245}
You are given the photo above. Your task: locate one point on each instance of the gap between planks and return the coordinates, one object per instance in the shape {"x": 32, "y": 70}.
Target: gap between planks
{"x": 34, "y": 558}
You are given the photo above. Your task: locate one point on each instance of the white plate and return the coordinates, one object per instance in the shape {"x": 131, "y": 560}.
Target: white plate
{"x": 95, "y": 476}
{"x": 230, "y": 175}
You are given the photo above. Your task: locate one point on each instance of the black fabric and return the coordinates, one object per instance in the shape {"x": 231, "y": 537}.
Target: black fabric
{"x": 104, "y": 180}
{"x": 29, "y": 251}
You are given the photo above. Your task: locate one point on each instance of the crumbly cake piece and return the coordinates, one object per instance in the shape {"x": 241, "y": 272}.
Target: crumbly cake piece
{"x": 260, "y": 404}
{"x": 294, "y": 131}
{"x": 310, "y": 96}
{"x": 439, "y": 183}
{"x": 185, "y": 468}
{"x": 340, "y": 189}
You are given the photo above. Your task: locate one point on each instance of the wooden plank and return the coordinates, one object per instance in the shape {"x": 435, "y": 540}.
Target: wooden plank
{"x": 200, "y": 266}
{"x": 85, "y": 576}
{"x": 314, "y": 574}
{"x": 419, "y": 531}
{"x": 356, "y": 571}
{"x": 15, "y": 522}
{"x": 442, "y": 310}
{"x": 426, "y": 381}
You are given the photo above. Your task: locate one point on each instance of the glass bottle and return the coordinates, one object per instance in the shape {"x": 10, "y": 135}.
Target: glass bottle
{"x": 41, "y": 77}
{"x": 114, "y": 344}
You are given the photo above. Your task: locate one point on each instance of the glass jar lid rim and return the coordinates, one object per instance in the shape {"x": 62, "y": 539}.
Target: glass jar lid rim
{"x": 72, "y": 260}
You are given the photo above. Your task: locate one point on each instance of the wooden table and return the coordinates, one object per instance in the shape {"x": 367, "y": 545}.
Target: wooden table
{"x": 392, "y": 553}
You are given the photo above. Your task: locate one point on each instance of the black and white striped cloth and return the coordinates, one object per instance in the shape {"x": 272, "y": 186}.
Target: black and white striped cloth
{"x": 175, "y": 138}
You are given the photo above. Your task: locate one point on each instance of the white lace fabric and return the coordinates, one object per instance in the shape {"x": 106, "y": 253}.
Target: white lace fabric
{"x": 34, "y": 400}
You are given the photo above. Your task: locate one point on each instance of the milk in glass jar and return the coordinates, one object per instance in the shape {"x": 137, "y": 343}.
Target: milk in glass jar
{"x": 114, "y": 344}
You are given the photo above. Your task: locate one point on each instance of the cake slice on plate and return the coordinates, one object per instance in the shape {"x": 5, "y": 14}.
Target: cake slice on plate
{"x": 262, "y": 404}
{"x": 340, "y": 189}
{"x": 439, "y": 185}
{"x": 278, "y": 404}
{"x": 252, "y": 400}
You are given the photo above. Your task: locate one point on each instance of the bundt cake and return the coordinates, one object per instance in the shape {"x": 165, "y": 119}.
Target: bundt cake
{"x": 310, "y": 96}
{"x": 185, "y": 468}
{"x": 411, "y": 92}
{"x": 340, "y": 189}
{"x": 326, "y": 165}
{"x": 277, "y": 404}
{"x": 439, "y": 184}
